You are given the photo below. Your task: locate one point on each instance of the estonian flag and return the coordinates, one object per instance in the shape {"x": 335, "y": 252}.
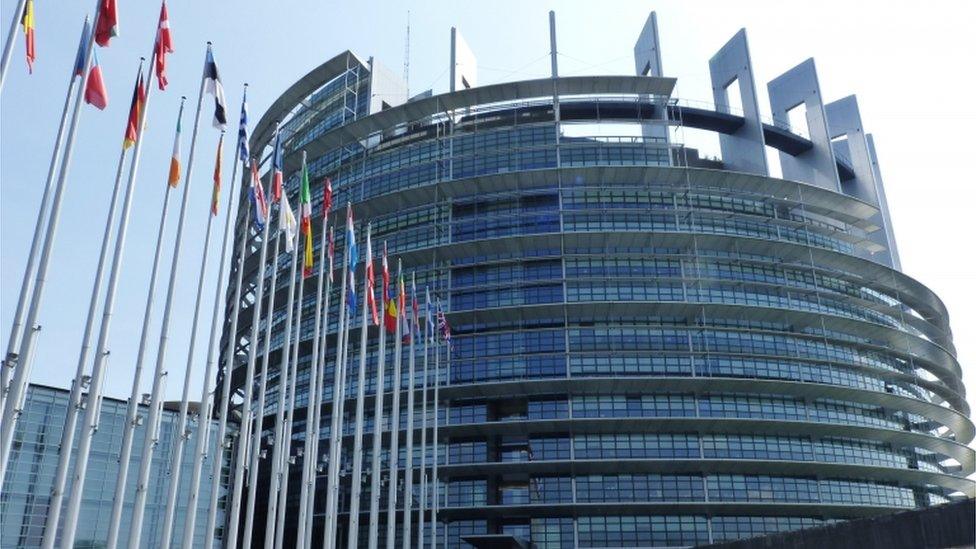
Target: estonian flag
{"x": 214, "y": 87}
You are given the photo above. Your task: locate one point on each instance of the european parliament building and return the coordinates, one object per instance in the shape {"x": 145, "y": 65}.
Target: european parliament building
{"x": 651, "y": 348}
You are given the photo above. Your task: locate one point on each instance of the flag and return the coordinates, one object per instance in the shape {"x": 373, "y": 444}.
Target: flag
{"x": 386, "y": 274}
{"x": 415, "y": 307}
{"x": 215, "y": 201}
{"x": 95, "y": 92}
{"x": 351, "y": 293}
{"x": 276, "y": 167}
{"x": 164, "y": 45}
{"x": 243, "y": 148}
{"x": 82, "y": 48}
{"x": 257, "y": 198}
{"x": 429, "y": 312}
{"x": 106, "y": 22}
{"x": 287, "y": 224}
{"x": 27, "y": 21}
{"x": 442, "y": 324}
{"x": 135, "y": 110}
{"x": 214, "y": 87}
{"x": 351, "y": 249}
{"x": 174, "y": 161}
{"x": 326, "y": 197}
{"x": 331, "y": 253}
{"x": 305, "y": 199}
{"x": 390, "y": 319}
{"x": 371, "y": 279}
{"x": 402, "y": 299}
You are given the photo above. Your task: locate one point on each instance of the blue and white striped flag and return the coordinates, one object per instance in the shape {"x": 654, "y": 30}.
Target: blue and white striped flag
{"x": 244, "y": 150}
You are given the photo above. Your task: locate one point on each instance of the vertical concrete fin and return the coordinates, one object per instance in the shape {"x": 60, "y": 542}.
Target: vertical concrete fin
{"x": 889, "y": 230}
{"x": 647, "y": 50}
{"x": 800, "y": 86}
{"x": 464, "y": 66}
{"x": 744, "y": 150}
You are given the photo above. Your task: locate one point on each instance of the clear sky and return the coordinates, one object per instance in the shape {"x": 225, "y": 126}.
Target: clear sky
{"x": 905, "y": 61}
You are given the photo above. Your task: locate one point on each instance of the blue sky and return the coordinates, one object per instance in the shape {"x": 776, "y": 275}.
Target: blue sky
{"x": 905, "y": 61}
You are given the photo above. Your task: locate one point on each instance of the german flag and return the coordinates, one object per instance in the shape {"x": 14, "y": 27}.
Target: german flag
{"x": 27, "y": 22}
{"x": 135, "y": 112}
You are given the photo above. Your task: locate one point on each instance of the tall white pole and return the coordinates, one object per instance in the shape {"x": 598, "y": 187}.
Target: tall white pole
{"x": 374, "y": 488}
{"x": 17, "y": 329}
{"x": 8, "y": 47}
{"x": 74, "y": 398}
{"x": 423, "y": 434}
{"x": 435, "y": 487}
{"x": 315, "y": 393}
{"x": 180, "y": 434}
{"x": 156, "y": 399}
{"x": 132, "y": 408}
{"x": 284, "y": 381}
{"x": 13, "y": 403}
{"x": 356, "y": 482}
{"x": 394, "y": 428}
{"x": 289, "y": 423}
{"x": 237, "y": 485}
{"x": 203, "y": 431}
{"x": 230, "y": 352}
{"x": 332, "y": 509}
{"x": 408, "y": 467}
{"x": 338, "y": 388}
{"x": 252, "y": 472}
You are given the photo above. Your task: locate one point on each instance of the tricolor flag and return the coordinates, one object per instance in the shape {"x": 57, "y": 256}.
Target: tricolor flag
{"x": 390, "y": 318}
{"x": 287, "y": 223}
{"x": 351, "y": 249}
{"x": 243, "y": 148}
{"x": 331, "y": 253}
{"x": 305, "y": 200}
{"x": 429, "y": 312}
{"x": 95, "y": 92}
{"x": 371, "y": 279}
{"x": 135, "y": 110}
{"x": 326, "y": 197}
{"x": 386, "y": 274}
{"x": 164, "y": 45}
{"x": 106, "y": 22}
{"x": 215, "y": 200}
{"x": 277, "y": 176}
{"x": 174, "y": 161}
{"x": 351, "y": 293}
{"x": 82, "y": 48}
{"x": 415, "y": 306}
{"x": 257, "y": 198}
{"x": 211, "y": 78}
{"x": 402, "y": 305}
{"x": 27, "y": 22}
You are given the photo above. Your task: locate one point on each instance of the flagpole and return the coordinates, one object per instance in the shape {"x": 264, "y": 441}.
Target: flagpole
{"x": 315, "y": 398}
{"x": 238, "y": 480}
{"x": 338, "y": 389}
{"x": 13, "y": 404}
{"x": 433, "y": 474}
{"x": 395, "y": 388}
{"x": 132, "y": 407}
{"x": 17, "y": 329}
{"x": 374, "y": 490}
{"x": 156, "y": 398}
{"x": 252, "y": 472}
{"x": 230, "y": 352}
{"x": 423, "y": 431}
{"x": 286, "y": 449}
{"x": 333, "y": 509}
{"x": 274, "y": 484}
{"x": 408, "y": 467}
{"x": 356, "y": 485}
{"x": 180, "y": 432}
{"x": 74, "y": 398}
{"x": 203, "y": 434}
{"x": 8, "y": 47}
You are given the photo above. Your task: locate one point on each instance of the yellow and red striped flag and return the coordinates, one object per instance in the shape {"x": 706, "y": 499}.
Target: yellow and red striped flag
{"x": 27, "y": 21}
{"x": 215, "y": 201}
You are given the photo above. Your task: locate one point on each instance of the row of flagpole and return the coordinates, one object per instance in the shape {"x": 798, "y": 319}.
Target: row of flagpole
{"x": 248, "y": 452}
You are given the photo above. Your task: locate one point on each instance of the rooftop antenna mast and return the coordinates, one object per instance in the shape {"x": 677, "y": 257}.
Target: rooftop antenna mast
{"x": 406, "y": 57}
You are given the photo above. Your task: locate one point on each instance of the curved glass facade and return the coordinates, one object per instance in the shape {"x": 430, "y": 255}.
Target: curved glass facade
{"x": 645, "y": 352}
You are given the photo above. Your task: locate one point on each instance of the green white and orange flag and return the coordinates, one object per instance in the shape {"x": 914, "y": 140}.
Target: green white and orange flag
{"x": 306, "y": 206}
{"x": 135, "y": 112}
{"x": 215, "y": 201}
{"x": 174, "y": 162}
